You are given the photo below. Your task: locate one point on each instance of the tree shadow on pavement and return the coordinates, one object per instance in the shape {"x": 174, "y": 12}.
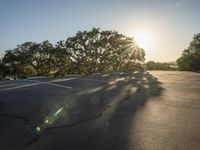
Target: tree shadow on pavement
{"x": 105, "y": 117}
{"x": 115, "y": 131}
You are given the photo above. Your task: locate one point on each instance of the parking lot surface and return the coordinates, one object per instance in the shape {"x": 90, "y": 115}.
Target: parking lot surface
{"x": 122, "y": 111}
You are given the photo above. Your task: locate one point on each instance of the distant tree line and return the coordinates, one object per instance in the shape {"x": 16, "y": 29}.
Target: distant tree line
{"x": 151, "y": 65}
{"x": 85, "y": 53}
{"x": 190, "y": 59}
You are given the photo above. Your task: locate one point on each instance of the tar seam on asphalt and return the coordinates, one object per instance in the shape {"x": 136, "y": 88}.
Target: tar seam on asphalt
{"x": 98, "y": 115}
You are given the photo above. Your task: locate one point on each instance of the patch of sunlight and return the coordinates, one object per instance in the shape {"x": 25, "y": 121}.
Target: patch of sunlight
{"x": 117, "y": 80}
{"x": 146, "y": 86}
{"x": 90, "y": 91}
{"x": 111, "y": 87}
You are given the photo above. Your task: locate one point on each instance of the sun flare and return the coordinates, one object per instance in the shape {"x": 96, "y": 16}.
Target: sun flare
{"x": 143, "y": 39}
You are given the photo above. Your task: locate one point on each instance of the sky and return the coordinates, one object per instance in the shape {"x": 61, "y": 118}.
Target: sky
{"x": 164, "y": 28}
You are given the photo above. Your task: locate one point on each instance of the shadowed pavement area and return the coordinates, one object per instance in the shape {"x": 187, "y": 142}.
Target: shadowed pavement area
{"x": 152, "y": 111}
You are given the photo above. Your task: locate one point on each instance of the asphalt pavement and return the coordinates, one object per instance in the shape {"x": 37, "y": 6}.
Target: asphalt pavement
{"x": 159, "y": 110}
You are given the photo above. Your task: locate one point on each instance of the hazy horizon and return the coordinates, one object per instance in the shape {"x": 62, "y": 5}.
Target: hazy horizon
{"x": 164, "y": 28}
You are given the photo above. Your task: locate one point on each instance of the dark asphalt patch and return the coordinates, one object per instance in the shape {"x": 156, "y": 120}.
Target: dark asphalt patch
{"x": 44, "y": 106}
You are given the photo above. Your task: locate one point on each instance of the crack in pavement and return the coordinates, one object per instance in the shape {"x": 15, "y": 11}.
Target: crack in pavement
{"x": 96, "y": 116}
{"x": 25, "y": 120}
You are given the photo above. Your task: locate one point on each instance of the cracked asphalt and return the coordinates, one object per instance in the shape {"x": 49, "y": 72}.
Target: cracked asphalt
{"x": 159, "y": 110}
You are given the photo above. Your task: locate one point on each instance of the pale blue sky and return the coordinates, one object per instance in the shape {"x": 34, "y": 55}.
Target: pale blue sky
{"x": 170, "y": 24}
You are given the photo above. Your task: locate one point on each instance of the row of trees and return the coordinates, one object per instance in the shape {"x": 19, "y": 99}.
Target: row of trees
{"x": 85, "y": 53}
{"x": 151, "y": 65}
{"x": 190, "y": 59}
{"x": 88, "y": 52}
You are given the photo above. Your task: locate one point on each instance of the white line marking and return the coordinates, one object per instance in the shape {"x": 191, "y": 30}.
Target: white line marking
{"x": 61, "y": 80}
{"x": 18, "y": 87}
{"x": 58, "y": 85}
{"x": 5, "y": 85}
{"x": 91, "y": 80}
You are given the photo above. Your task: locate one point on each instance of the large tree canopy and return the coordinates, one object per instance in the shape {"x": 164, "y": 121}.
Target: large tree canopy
{"x": 190, "y": 59}
{"x": 85, "y": 53}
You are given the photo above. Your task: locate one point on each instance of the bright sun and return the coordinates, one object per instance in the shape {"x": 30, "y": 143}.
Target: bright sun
{"x": 143, "y": 39}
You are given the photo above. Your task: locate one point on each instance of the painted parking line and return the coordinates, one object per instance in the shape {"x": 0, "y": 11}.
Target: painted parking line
{"x": 68, "y": 79}
{"x": 76, "y": 78}
{"x": 18, "y": 86}
{"x": 52, "y": 84}
{"x": 91, "y": 80}
{"x": 8, "y": 85}
{"x": 62, "y": 80}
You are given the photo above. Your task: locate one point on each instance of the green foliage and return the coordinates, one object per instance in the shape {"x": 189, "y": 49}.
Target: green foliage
{"x": 29, "y": 70}
{"x": 190, "y": 59}
{"x": 85, "y": 53}
{"x": 2, "y": 70}
{"x": 151, "y": 65}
